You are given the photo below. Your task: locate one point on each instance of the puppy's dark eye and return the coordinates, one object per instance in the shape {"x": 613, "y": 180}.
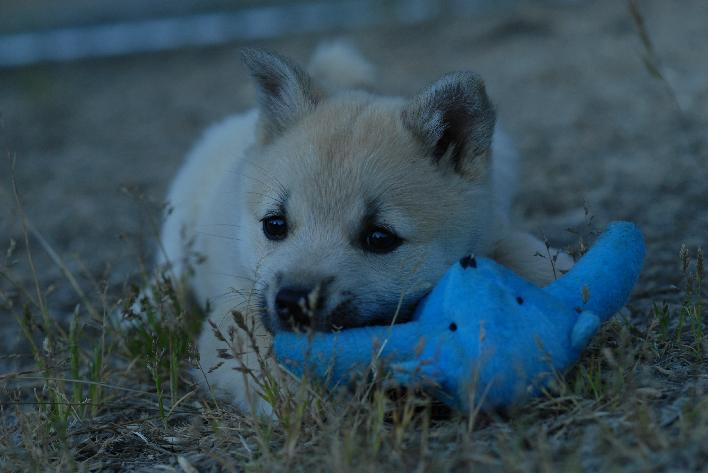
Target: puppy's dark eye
{"x": 380, "y": 240}
{"x": 275, "y": 227}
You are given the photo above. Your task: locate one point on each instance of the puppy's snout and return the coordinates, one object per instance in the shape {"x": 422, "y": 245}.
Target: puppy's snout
{"x": 293, "y": 306}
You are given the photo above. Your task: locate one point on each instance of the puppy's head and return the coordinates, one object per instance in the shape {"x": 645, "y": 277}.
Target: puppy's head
{"x": 357, "y": 204}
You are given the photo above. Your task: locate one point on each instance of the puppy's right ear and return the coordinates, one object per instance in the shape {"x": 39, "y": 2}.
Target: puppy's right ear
{"x": 285, "y": 92}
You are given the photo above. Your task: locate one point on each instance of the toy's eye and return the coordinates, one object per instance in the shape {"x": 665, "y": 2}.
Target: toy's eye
{"x": 519, "y": 300}
{"x": 453, "y": 327}
{"x": 380, "y": 240}
{"x": 275, "y": 227}
{"x": 468, "y": 261}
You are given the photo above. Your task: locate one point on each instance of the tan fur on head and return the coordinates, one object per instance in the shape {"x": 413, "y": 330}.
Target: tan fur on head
{"x": 352, "y": 153}
{"x": 419, "y": 165}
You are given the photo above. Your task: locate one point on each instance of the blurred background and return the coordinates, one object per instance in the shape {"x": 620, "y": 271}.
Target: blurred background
{"x": 100, "y": 101}
{"x": 75, "y": 29}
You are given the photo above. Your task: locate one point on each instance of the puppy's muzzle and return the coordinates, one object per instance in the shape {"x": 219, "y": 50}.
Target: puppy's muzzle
{"x": 293, "y": 306}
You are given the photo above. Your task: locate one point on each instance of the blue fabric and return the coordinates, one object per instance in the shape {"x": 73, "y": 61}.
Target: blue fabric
{"x": 483, "y": 335}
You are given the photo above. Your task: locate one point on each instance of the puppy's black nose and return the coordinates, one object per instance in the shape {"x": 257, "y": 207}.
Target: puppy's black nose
{"x": 293, "y": 307}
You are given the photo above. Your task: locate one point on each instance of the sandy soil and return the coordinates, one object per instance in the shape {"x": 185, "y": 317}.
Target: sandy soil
{"x": 97, "y": 142}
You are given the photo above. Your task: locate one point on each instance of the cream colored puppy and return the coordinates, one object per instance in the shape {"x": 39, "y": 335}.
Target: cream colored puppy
{"x": 334, "y": 209}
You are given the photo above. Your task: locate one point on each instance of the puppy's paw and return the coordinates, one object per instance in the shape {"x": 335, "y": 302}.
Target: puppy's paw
{"x": 531, "y": 259}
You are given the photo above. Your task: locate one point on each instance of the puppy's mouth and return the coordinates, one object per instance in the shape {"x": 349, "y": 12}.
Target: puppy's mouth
{"x": 345, "y": 315}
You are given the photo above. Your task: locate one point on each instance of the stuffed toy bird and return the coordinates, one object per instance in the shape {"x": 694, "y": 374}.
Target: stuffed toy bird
{"x": 484, "y": 336}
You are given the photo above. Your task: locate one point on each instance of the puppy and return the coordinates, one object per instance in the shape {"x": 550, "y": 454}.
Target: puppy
{"x": 330, "y": 207}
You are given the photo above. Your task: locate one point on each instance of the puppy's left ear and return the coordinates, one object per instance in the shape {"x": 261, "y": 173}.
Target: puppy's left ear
{"x": 286, "y": 93}
{"x": 454, "y": 120}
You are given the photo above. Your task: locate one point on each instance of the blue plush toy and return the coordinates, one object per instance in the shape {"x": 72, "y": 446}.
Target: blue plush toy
{"x": 484, "y": 335}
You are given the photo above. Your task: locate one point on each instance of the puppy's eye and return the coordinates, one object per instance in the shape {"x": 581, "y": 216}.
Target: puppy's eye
{"x": 275, "y": 227}
{"x": 380, "y": 240}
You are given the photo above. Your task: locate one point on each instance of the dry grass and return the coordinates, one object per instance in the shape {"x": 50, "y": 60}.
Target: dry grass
{"x": 97, "y": 397}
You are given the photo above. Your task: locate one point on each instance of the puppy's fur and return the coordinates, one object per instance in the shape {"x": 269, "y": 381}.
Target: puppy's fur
{"x": 335, "y": 163}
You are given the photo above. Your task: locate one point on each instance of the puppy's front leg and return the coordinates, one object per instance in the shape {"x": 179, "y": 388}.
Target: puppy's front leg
{"x": 235, "y": 361}
{"x": 529, "y": 257}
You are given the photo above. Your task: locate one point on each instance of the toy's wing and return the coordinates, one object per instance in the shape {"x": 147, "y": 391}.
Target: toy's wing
{"x": 602, "y": 280}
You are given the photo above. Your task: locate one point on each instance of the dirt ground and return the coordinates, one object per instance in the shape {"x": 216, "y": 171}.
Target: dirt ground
{"x": 97, "y": 142}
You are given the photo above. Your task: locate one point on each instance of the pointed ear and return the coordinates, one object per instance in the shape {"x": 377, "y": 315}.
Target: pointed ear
{"x": 454, "y": 120}
{"x": 285, "y": 92}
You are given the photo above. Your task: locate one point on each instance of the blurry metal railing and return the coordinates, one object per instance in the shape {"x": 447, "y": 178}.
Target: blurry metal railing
{"x": 202, "y": 29}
